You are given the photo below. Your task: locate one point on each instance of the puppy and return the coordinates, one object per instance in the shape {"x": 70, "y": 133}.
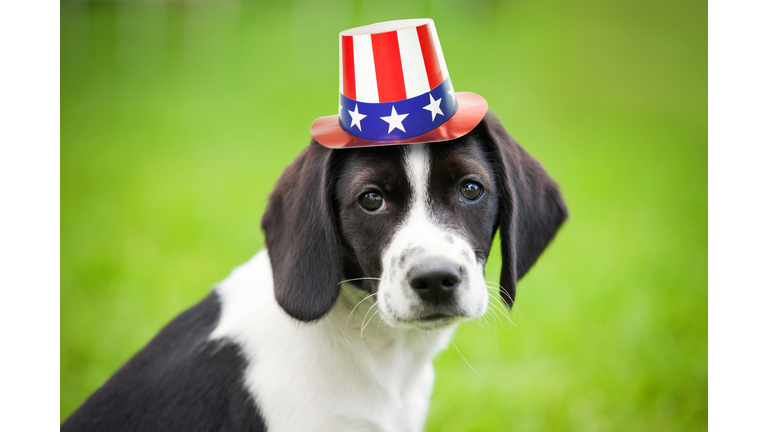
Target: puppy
{"x": 373, "y": 256}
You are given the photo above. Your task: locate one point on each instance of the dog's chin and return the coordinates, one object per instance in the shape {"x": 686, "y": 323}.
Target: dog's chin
{"x": 427, "y": 322}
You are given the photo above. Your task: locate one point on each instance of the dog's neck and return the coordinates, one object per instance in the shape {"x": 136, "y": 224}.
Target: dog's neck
{"x": 346, "y": 367}
{"x": 356, "y": 318}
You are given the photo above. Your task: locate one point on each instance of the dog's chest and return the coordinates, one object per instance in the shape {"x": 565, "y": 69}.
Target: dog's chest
{"x": 344, "y": 372}
{"x": 347, "y": 395}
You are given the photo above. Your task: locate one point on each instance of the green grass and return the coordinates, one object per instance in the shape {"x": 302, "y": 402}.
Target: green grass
{"x": 176, "y": 121}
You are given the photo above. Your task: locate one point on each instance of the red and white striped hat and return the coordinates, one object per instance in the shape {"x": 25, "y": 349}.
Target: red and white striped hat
{"x": 394, "y": 88}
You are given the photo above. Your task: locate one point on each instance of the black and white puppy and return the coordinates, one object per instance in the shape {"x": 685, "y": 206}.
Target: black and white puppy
{"x": 361, "y": 245}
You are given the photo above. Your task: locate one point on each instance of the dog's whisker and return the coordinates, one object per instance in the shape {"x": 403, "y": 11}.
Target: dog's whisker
{"x": 493, "y": 308}
{"x": 490, "y": 302}
{"x": 508, "y": 309}
{"x": 498, "y": 306}
{"x": 371, "y": 319}
{"x": 489, "y": 321}
{"x": 465, "y": 360}
{"x": 360, "y": 278}
{"x": 502, "y": 306}
{"x": 494, "y": 295}
{"x": 494, "y": 313}
{"x": 353, "y": 309}
{"x": 375, "y": 313}
{"x": 501, "y": 323}
{"x": 501, "y": 288}
{"x": 477, "y": 321}
{"x": 358, "y": 304}
{"x": 499, "y": 309}
{"x": 379, "y": 324}
{"x": 509, "y": 319}
{"x": 362, "y": 324}
{"x": 498, "y": 286}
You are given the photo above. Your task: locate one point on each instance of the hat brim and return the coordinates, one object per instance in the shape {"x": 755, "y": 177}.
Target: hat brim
{"x": 472, "y": 109}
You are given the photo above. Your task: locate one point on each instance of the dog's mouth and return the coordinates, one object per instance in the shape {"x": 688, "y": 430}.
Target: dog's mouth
{"x": 435, "y": 317}
{"x": 432, "y": 321}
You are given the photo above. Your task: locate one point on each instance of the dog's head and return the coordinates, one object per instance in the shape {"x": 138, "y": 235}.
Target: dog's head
{"x": 412, "y": 224}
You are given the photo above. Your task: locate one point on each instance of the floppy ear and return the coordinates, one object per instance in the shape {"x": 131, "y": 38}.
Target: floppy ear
{"x": 301, "y": 236}
{"x": 531, "y": 207}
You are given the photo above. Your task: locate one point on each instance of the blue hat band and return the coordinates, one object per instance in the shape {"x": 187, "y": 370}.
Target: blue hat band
{"x": 401, "y": 119}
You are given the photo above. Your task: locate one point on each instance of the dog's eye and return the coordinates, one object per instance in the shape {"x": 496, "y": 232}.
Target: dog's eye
{"x": 373, "y": 202}
{"x": 471, "y": 191}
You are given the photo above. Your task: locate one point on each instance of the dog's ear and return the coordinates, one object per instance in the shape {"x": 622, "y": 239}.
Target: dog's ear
{"x": 531, "y": 207}
{"x": 301, "y": 236}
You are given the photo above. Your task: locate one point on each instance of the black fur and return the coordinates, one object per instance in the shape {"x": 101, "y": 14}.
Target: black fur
{"x": 531, "y": 210}
{"x": 180, "y": 381}
{"x": 301, "y": 237}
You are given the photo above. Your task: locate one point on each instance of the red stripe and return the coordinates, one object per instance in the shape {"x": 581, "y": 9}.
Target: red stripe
{"x": 434, "y": 73}
{"x": 348, "y": 60}
{"x": 389, "y": 69}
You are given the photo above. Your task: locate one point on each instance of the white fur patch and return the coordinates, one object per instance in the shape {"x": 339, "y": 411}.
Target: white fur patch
{"x": 348, "y": 371}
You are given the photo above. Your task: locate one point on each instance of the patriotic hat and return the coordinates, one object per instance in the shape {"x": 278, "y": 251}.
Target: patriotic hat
{"x": 394, "y": 88}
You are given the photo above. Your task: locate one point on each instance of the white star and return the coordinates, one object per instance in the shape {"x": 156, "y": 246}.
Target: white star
{"x": 356, "y": 117}
{"x": 395, "y": 120}
{"x": 452, "y": 93}
{"x": 434, "y": 106}
{"x": 340, "y": 109}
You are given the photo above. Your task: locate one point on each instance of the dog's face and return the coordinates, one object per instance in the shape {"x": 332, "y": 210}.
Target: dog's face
{"x": 411, "y": 224}
{"x": 416, "y": 224}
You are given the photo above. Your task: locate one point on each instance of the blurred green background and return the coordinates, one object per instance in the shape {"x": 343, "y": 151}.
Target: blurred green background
{"x": 178, "y": 117}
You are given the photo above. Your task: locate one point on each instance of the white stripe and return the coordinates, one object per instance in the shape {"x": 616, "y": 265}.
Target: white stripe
{"x": 414, "y": 71}
{"x": 365, "y": 69}
{"x": 341, "y": 68}
{"x": 417, "y": 168}
{"x": 439, "y": 50}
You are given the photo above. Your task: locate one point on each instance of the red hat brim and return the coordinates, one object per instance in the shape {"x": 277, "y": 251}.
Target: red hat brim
{"x": 472, "y": 109}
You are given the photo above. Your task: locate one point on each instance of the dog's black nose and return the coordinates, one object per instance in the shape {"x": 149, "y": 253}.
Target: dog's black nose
{"x": 435, "y": 280}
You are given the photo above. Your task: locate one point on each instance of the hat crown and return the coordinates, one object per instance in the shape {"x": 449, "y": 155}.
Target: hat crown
{"x": 394, "y": 88}
{"x": 390, "y": 61}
